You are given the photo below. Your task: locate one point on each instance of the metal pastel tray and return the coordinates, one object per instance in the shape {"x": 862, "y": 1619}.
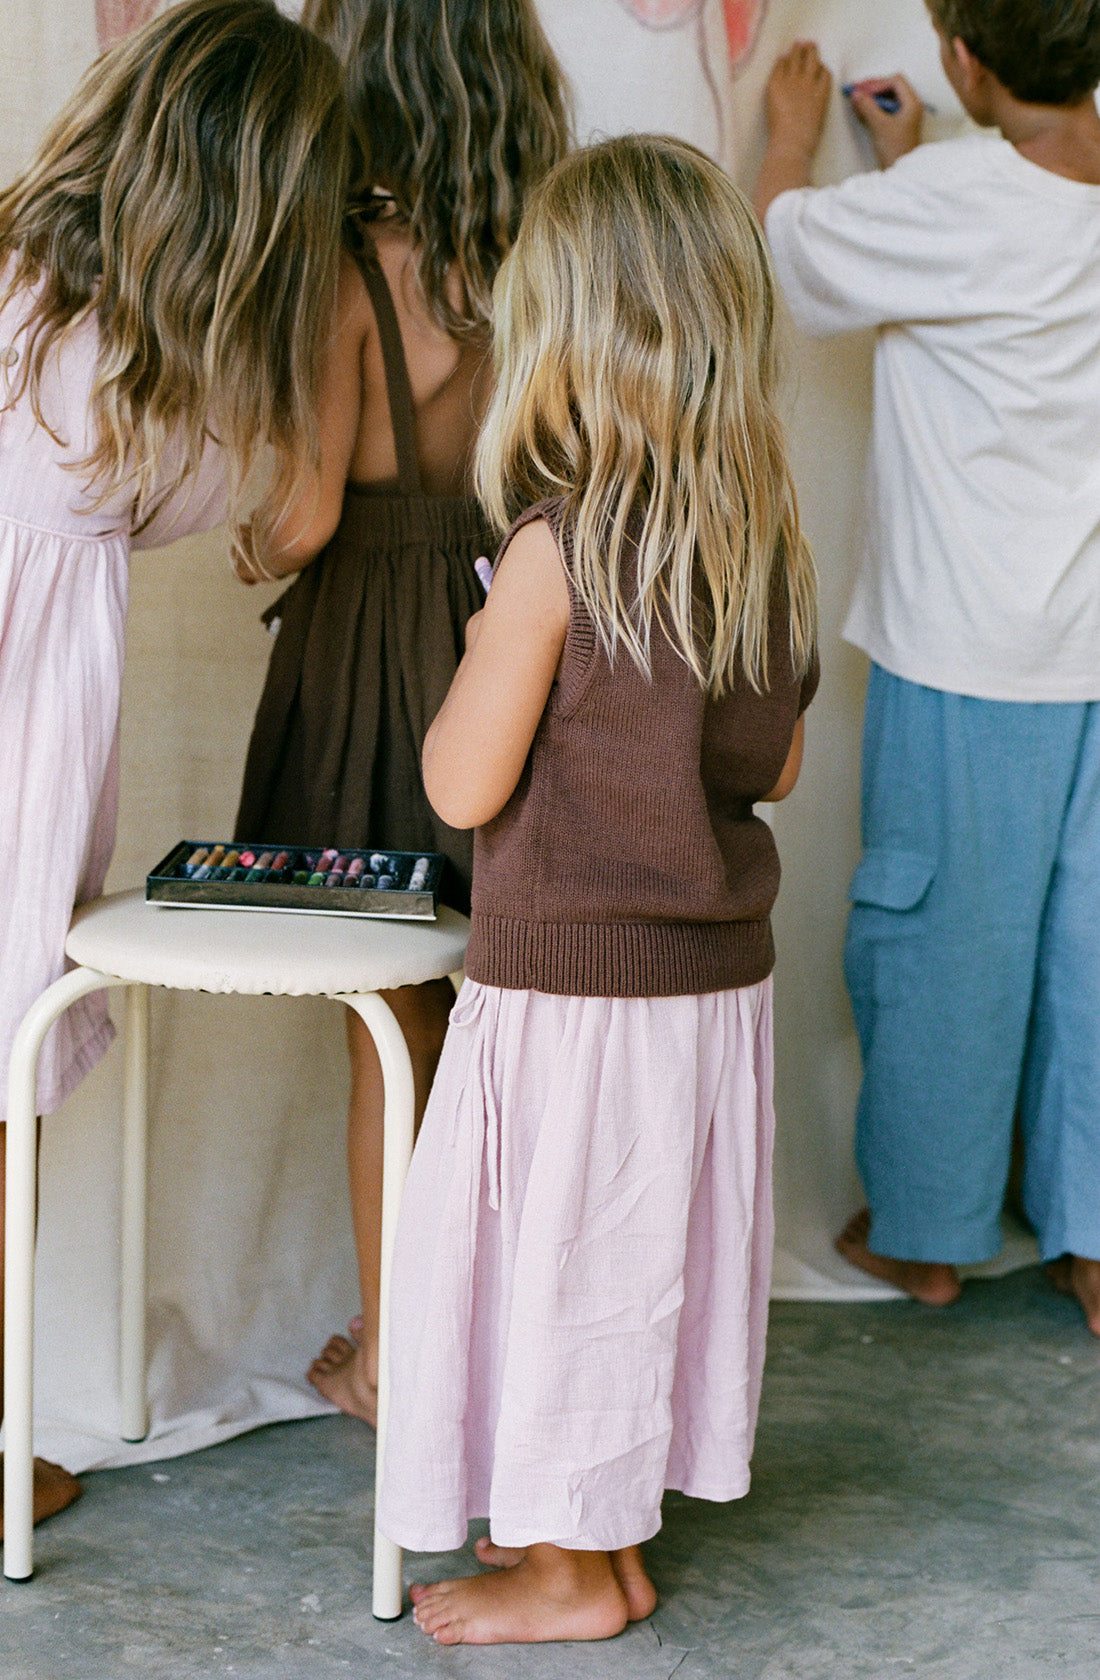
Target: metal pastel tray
{"x": 168, "y": 884}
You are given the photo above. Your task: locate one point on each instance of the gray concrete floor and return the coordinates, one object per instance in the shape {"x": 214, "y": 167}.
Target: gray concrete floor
{"x": 926, "y": 1502}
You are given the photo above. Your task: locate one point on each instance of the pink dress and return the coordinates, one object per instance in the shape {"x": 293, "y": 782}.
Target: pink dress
{"x": 580, "y": 1286}
{"x": 63, "y": 591}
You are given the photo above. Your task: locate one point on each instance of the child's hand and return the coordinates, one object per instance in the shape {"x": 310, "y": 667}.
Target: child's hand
{"x": 893, "y": 133}
{"x": 796, "y": 100}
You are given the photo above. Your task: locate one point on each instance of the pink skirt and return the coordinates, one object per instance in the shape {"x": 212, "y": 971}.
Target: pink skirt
{"x": 580, "y": 1287}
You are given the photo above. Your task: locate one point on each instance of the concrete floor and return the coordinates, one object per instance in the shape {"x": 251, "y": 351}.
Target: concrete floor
{"x": 926, "y": 1502}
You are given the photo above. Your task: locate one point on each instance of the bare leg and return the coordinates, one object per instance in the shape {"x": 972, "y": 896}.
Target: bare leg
{"x": 928, "y": 1281}
{"x": 1074, "y": 1275}
{"x": 549, "y": 1594}
{"x": 54, "y": 1488}
{"x": 346, "y": 1371}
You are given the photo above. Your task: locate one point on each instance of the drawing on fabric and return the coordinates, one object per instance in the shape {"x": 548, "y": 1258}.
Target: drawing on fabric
{"x": 742, "y": 18}
{"x": 115, "y": 18}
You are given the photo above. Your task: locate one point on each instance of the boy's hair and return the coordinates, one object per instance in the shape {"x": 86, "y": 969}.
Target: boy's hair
{"x": 191, "y": 195}
{"x": 1046, "y": 52}
{"x": 635, "y": 355}
{"x": 461, "y": 108}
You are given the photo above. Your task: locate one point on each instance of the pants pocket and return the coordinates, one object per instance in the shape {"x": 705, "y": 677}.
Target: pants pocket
{"x": 885, "y": 924}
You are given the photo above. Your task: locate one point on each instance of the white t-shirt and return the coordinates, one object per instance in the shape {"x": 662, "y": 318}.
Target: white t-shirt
{"x": 981, "y": 271}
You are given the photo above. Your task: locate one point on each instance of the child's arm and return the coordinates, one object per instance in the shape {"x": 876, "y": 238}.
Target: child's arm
{"x": 314, "y": 515}
{"x": 789, "y": 774}
{"x": 795, "y": 102}
{"x": 475, "y": 750}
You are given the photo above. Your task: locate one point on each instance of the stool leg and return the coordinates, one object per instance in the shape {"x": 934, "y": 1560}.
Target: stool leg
{"x": 21, "y": 1198}
{"x": 135, "y": 1111}
{"x": 397, "y": 1144}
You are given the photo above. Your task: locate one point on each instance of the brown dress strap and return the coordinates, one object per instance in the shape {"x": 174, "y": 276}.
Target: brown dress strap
{"x": 398, "y": 389}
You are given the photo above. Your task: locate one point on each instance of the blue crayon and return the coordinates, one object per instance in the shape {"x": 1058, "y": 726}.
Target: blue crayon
{"x": 886, "y": 101}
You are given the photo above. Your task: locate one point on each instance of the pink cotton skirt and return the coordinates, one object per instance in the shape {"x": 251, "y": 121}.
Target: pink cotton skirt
{"x": 580, "y": 1286}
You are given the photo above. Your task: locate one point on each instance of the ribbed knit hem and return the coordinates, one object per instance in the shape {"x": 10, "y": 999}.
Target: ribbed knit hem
{"x": 618, "y": 959}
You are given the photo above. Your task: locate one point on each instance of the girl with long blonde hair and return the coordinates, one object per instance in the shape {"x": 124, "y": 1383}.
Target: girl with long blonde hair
{"x": 460, "y": 109}
{"x": 581, "y": 1277}
{"x": 167, "y": 276}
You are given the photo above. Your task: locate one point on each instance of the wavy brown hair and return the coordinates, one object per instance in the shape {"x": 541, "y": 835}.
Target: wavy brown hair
{"x": 461, "y": 108}
{"x": 190, "y": 196}
{"x": 634, "y": 344}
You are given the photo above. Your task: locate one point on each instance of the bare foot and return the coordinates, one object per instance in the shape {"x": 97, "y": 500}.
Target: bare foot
{"x": 550, "y": 1594}
{"x": 1074, "y": 1275}
{"x": 630, "y": 1572}
{"x": 637, "y": 1588}
{"x": 925, "y": 1280}
{"x": 54, "y": 1488}
{"x": 347, "y": 1374}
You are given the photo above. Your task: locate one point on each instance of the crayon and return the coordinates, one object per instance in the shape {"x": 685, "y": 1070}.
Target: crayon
{"x": 885, "y": 99}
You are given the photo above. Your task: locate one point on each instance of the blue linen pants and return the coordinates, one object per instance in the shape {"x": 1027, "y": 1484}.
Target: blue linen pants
{"x": 973, "y": 965}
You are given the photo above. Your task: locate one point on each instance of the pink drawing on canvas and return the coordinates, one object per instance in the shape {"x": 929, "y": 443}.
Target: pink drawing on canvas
{"x": 115, "y": 18}
{"x": 742, "y": 17}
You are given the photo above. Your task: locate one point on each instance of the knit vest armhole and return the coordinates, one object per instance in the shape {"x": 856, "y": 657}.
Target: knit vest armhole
{"x": 579, "y": 658}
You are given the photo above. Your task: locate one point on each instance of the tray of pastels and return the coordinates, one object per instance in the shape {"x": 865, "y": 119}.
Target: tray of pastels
{"x": 316, "y": 880}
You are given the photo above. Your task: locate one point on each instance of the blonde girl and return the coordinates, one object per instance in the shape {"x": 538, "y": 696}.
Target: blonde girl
{"x": 460, "y": 108}
{"x": 580, "y": 1289}
{"x": 167, "y": 276}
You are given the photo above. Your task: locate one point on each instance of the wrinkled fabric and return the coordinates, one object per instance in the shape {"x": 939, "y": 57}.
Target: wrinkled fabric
{"x": 580, "y": 1285}
{"x": 64, "y": 581}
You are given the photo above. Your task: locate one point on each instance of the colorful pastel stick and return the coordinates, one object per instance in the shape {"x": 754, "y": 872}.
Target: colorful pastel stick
{"x": 195, "y": 859}
{"x": 317, "y": 879}
{"x": 483, "y": 566}
{"x": 385, "y": 882}
{"x": 355, "y": 868}
{"x": 247, "y": 859}
{"x": 227, "y": 866}
{"x": 260, "y": 867}
{"x": 334, "y": 878}
{"x": 369, "y": 882}
{"x": 301, "y": 877}
{"x": 214, "y": 857}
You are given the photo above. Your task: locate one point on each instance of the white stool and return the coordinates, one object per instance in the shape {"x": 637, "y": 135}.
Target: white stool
{"x": 122, "y": 941}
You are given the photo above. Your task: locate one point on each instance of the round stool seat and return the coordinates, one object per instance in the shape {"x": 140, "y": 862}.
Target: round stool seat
{"x": 262, "y": 951}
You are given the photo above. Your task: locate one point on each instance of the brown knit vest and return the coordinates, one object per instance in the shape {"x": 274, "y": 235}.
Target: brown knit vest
{"x": 628, "y": 861}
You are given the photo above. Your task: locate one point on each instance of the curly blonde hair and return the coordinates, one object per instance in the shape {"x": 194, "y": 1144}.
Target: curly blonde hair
{"x": 189, "y": 196}
{"x": 634, "y": 345}
{"x": 460, "y": 107}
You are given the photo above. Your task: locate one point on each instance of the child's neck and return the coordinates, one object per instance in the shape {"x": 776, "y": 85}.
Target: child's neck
{"x": 1062, "y": 138}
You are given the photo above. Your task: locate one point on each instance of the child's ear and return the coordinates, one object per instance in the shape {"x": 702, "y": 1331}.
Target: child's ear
{"x": 971, "y": 71}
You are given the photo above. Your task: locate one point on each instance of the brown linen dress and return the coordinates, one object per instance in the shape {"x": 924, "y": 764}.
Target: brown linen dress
{"x": 370, "y": 637}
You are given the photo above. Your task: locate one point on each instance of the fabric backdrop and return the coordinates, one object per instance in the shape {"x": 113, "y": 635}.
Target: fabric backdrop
{"x": 251, "y": 1258}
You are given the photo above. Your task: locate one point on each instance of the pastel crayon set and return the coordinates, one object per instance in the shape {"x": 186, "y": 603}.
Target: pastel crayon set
{"x": 320, "y": 880}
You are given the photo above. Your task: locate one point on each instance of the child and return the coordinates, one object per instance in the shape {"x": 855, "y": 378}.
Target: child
{"x": 971, "y": 956}
{"x": 157, "y": 288}
{"x": 460, "y": 104}
{"x": 580, "y": 1288}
